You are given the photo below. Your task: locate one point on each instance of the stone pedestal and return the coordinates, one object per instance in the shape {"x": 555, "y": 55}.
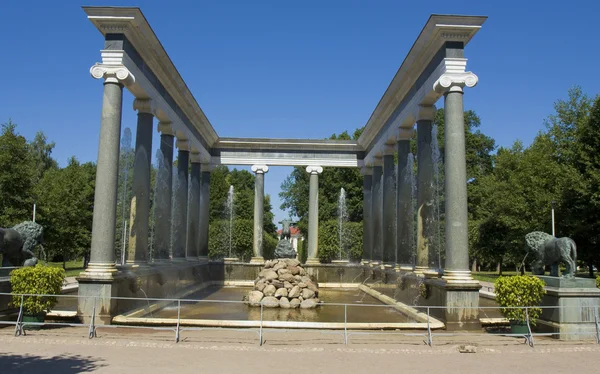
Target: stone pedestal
{"x": 574, "y": 303}
{"x": 98, "y": 293}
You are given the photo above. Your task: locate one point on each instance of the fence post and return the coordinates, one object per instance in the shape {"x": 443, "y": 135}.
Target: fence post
{"x": 178, "y": 321}
{"x": 19, "y": 326}
{"x": 529, "y": 337}
{"x": 597, "y": 326}
{"x": 260, "y": 332}
{"x": 429, "y": 340}
{"x": 346, "y": 324}
{"x": 92, "y": 330}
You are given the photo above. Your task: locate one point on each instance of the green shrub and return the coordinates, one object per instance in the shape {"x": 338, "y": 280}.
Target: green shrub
{"x": 38, "y": 280}
{"x": 598, "y": 281}
{"x": 269, "y": 245}
{"x": 519, "y": 291}
{"x": 241, "y": 241}
{"x": 329, "y": 241}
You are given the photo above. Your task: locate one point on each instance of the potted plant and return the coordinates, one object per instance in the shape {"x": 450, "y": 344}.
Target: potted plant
{"x": 516, "y": 292}
{"x": 36, "y": 280}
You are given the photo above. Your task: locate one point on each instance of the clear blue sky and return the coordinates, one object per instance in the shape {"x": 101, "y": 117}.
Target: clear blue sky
{"x": 293, "y": 69}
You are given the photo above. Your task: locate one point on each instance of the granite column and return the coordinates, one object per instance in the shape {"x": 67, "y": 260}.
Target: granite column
{"x": 425, "y": 191}
{"x": 204, "y": 211}
{"x": 259, "y": 197}
{"x": 193, "y": 218}
{"x": 164, "y": 191}
{"x": 313, "y": 214}
{"x": 367, "y": 173}
{"x": 181, "y": 203}
{"x": 389, "y": 207}
{"x": 139, "y": 231}
{"x": 376, "y": 213}
{"x": 405, "y": 216}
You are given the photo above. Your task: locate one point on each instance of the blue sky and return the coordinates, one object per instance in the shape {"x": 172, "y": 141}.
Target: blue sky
{"x": 293, "y": 69}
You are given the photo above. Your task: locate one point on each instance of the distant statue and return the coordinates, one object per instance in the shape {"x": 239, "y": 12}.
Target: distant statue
{"x": 284, "y": 247}
{"x": 548, "y": 250}
{"x": 17, "y": 244}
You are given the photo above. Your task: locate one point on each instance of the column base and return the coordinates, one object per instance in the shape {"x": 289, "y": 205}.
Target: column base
{"x": 257, "y": 260}
{"x": 340, "y": 261}
{"x": 231, "y": 259}
{"x": 431, "y": 273}
{"x": 420, "y": 270}
{"x": 365, "y": 262}
{"x": 459, "y": 277}
{"x": 387, "y": 265}
{"x": 99, "y": 271}
{"x": 407, "y": 268}
{"x": 374, "y": 263}
{"x": 161, "y": 261}
{"x": 313, "y": 261}
{"x": 134, "y": 265}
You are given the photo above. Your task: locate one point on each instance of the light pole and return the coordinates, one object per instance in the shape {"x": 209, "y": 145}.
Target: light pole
{"x": 552, "y": 205}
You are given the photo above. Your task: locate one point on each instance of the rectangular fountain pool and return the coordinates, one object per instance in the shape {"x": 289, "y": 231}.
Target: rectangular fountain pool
{"x": 361, "y": 308}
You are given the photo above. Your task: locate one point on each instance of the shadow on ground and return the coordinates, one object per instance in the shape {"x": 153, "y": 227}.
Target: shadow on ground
{"x": 64, "y": 364}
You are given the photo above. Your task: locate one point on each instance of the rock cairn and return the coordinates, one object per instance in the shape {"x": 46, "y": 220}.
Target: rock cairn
{"x": 283, "y": 283}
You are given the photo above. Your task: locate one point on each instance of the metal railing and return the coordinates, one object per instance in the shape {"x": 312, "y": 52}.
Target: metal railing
{"x": 429, "y": 333}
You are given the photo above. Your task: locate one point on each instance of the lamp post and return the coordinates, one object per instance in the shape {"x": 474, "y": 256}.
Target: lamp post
{"x": 552, "y": 205}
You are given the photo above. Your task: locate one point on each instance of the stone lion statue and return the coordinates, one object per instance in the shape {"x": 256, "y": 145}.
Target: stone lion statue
{"x": 548, "y": 250}
{"x": 17, "y": 244}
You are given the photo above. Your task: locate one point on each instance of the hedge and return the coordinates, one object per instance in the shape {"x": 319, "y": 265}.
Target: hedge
{"x": 329, "y": 241}
{"x": 241, "y": 242}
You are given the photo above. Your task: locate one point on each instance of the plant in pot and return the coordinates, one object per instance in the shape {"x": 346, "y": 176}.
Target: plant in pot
{"x": 36, "y": 280}
{"x": 516, "y": 292}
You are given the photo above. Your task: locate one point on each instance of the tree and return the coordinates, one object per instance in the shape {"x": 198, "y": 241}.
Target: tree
{"x": 295, "y": 190}
{"x": 66, "y": 200}
{"x": 16, "y": 177}
{"x": 581, "y": 207}
{"x": 41, "y": 152}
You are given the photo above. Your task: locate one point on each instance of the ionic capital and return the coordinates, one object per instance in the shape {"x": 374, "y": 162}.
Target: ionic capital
{"x": 366, "y": 170}
{"x": 259, "y": 169}
{"x": 143, "y": 106}
{"x": 405, "y": 134}
{"x": 166, "y": 128}
{"x": 454, "y": 82}
{"x": 377, "y": 160}
{"x": 195, "y": 157}
{"x": 426, "y": 113}
{"x": 389, "y": 150}
{"x": 183, "y": 145}
{"x": 206, "y": 168}
{"x": 112, "y": 74}
{"x": 314, "y": 170}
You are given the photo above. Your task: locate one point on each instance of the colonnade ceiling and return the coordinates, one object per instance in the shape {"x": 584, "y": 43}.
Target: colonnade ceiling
{"x": 130, "y": 43}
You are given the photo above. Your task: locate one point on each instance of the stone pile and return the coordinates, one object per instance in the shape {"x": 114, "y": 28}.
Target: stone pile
{"x": 283, "y": 283}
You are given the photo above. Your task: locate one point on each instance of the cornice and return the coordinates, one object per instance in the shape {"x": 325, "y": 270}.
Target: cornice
{"x": 438, "y": 30}
{"x": 132, "y": 23}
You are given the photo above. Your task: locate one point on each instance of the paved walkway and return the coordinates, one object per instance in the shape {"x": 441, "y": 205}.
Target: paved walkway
{"x": 68, "y": 350}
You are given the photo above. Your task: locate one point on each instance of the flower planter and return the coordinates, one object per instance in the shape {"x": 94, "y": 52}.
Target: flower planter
{"x": 37, "y": 318}
{"x": 519, "y": 327}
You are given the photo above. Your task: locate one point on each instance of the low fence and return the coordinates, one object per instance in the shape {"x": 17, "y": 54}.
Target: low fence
{"x": 431, "y": 328}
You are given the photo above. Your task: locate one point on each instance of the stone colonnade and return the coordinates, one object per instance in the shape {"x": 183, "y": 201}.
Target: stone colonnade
{"x": 189, "y": 241}
{"x": 388, "y": 217}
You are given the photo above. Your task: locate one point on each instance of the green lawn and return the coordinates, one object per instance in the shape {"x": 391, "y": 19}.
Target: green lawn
{"x": 491, "y": 276}
{"x": 73, "y": 267}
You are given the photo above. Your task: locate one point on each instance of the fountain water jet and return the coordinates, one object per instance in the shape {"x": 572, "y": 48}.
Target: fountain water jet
{"x": 436, "y": 160}
{"x": 229, "y": 204}
{"x": 343, "y": 255}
